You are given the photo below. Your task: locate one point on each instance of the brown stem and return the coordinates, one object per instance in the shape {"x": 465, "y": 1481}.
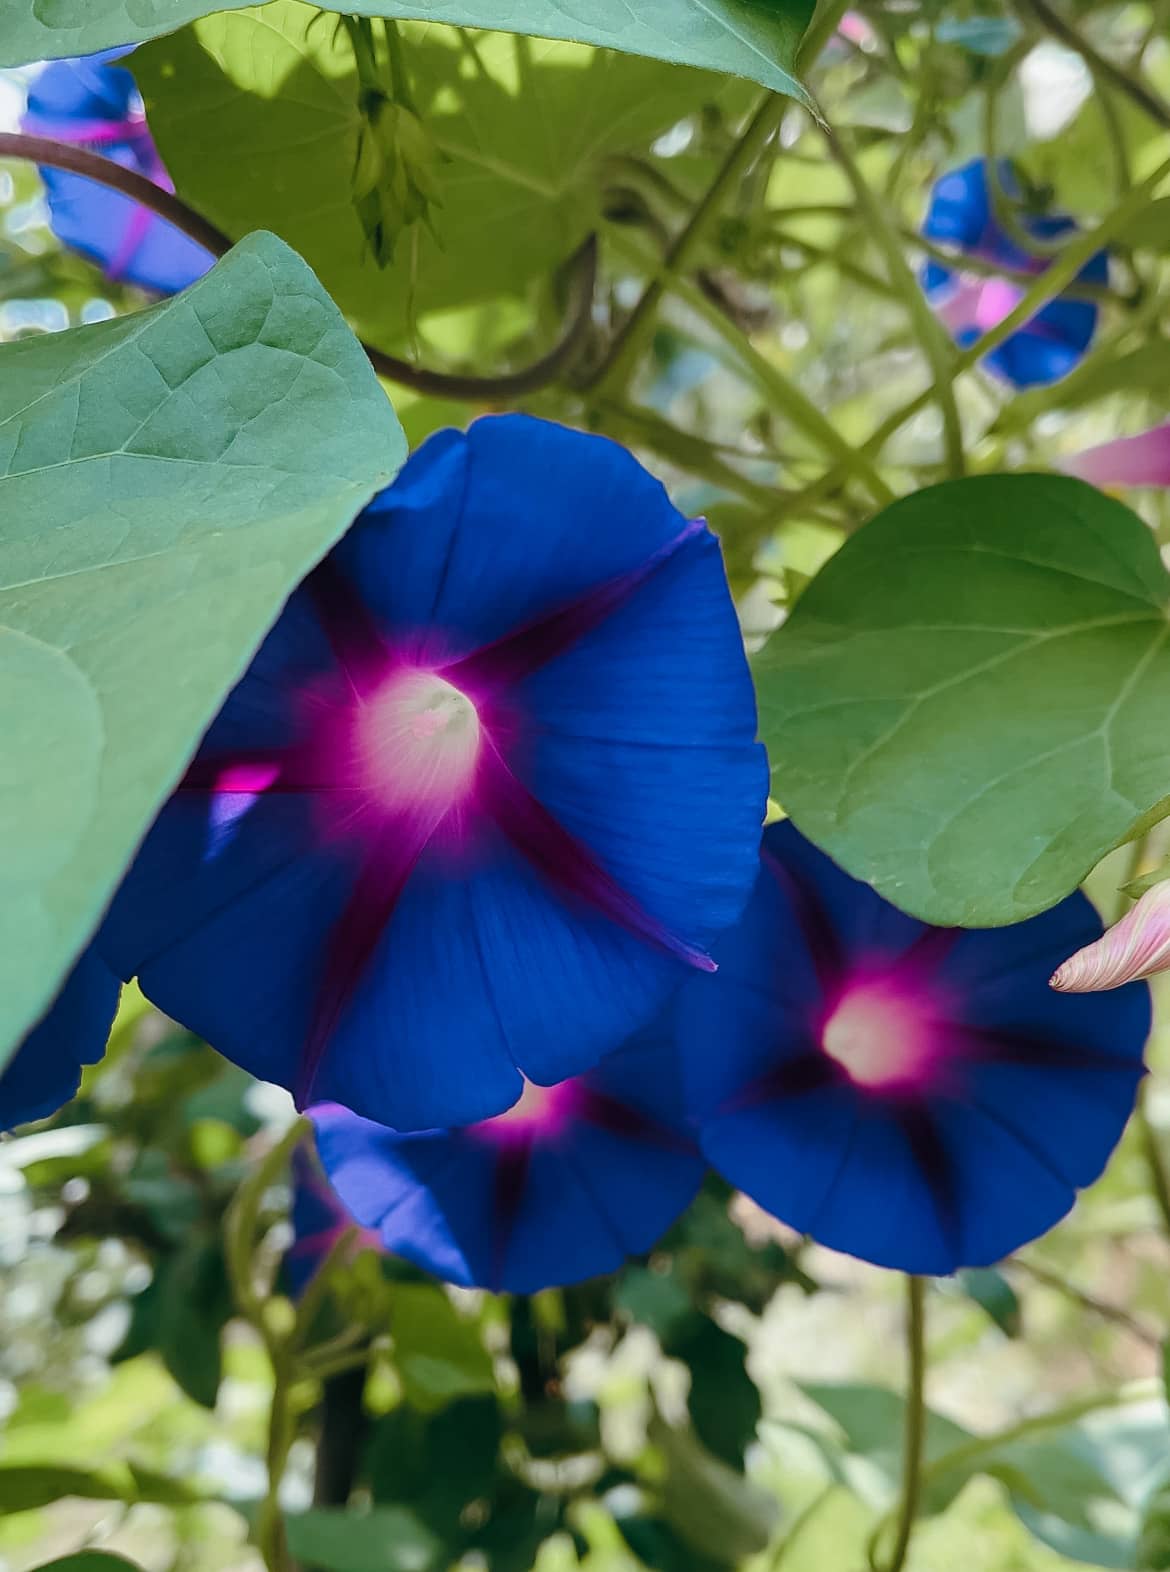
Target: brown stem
{"x": 436, "y": 384}
{"x": 79, "y": 161}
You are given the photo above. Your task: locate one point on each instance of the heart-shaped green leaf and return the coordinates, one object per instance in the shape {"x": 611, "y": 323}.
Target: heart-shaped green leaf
{"x": 510, "y": 205}
{"x": 752, "y": 38}
{"x": 165, "y": 481}
{"x": 968, "y": 706}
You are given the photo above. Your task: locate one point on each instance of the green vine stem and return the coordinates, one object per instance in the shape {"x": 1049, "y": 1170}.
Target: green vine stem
{"x": 914, "y": 1431}
{"x": 275, "y": 1330}
{"x": 614, "y": 371}
{"x": 933, "y": 337}
{"x": 539, "y": 374}
{"x": 782, "y": 394}
{"x": 968, "y": 1456}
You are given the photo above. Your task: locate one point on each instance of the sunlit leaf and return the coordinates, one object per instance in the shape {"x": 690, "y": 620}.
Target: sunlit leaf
{"x": 280, "y": 81}
{"x": 753, "y": 38}
{"x": 387, "y": 1539}
{"x": 967, "y": 706}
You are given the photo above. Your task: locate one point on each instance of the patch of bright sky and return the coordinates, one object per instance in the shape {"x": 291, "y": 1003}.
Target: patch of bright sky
{"x": 13, "y": 88}
{"x": 1055, "y": 83}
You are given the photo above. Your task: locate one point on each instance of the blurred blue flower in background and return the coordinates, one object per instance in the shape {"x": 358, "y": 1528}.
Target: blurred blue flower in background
{"x": 320, "y": 1222}
{"x": 93, "y": 103}
{"x": 916, "y": 1096}
{"x": 962, "y": 215}
{"x": 563, "y": 1186}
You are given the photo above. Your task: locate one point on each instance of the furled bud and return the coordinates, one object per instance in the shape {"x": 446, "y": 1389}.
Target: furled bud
{"x": 1143, "y": 460}
{"x": 1137, "y": 946}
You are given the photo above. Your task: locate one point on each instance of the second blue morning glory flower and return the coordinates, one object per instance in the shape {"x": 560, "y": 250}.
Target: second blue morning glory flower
{"x": 919, "y": 1097}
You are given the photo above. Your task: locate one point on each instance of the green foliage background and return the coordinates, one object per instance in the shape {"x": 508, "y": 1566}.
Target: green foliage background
{"x": 756, "y": 335}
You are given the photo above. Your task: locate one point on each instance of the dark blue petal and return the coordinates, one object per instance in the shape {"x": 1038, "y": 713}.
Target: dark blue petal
{"x": 45, "y": 1071}
{"x": 408, "y": 961}
{"x": 568, "y": 1198}
{"x": 959, "y": 213}
{"x": 118, "y": 234}
{"x": 226, "y": 924}
{"x": 318, "y": 1218}
{"x": 1022, "y": 1100}
{"x": 89, "y": 88}
{"x": 538, "y": 512}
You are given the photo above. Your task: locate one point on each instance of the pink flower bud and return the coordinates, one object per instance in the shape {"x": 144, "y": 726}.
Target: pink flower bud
{"x": 1137, "y": 946}
{"x": 1143, "y": 460}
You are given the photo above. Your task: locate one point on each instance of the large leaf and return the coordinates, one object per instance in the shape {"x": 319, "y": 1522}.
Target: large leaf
{"x": 89, "y": 1561}
{"x": 165, "y": 480}
{"x": 752, "y": 38}
{"x": 438, "y": 1352}
{"x": 386, "y": 1539}
{"x": 522, "y": 132}
{"x": 968, "y": 705}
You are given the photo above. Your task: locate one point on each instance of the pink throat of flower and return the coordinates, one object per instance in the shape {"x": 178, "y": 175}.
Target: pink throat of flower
{"x": 540, "y": 1111}
{"x": 417, "y": 742}
{"x": 980, "y": 303}
{"x": 881, "y": 1035}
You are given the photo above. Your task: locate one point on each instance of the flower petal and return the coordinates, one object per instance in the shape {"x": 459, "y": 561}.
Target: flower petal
{"x": 1143, "y": 460}
{"x": 94, "y": 103}
{"x": 517, "y": 1205}
{"x": 478, "y": 509}
{"x": 45, "y": 1071}
{"x": 990, "y": 1081}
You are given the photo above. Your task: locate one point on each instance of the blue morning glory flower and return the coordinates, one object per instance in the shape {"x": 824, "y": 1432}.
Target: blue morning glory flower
{"x": 916, "y": 1096}
{"x": 319, "y": 1222}
{"x": 45, "y": 1071}
{"x": 94, "y": 104}
{"x": 488, "y": 790}
{"x": 563, "y": 1186}
{"x": 961, "y": 215}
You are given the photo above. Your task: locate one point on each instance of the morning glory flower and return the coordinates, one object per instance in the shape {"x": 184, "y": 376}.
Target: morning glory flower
{"x": 961, "y": 215}
{"x": 562, "y": 1187}
{"x": 1137, "y": 946}
{"x": 45, "y": 1071}
{"x": 486, "y": 793}
{"x": 915, "y": 1096}
{"x": 319, "y": 1222}
{"x": 1143, "y": 460}
{"x": 94, "y": 104}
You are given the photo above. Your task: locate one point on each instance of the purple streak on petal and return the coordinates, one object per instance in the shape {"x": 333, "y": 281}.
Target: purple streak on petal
{"x": 519, "y": 653}
{"x": 824, "y": 945}
{"x": 1008, "y": 1047}
{"x": 606, "y": 1113}
{"x": 265, "y": 770}
{"x": 925, "y": 956}
{"x": 388, "y": 864}
{"x": 1143, "y": 460}
{"x": 808, "y": 1072}
{"x": 87, "y": 131}
{"x": 936, "y": 1166}
{"x": 354, "y": 637}
{"x": 566, "y": 862}
{"x": 137, "y": 228}
{"x": 511, "y": 1175}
